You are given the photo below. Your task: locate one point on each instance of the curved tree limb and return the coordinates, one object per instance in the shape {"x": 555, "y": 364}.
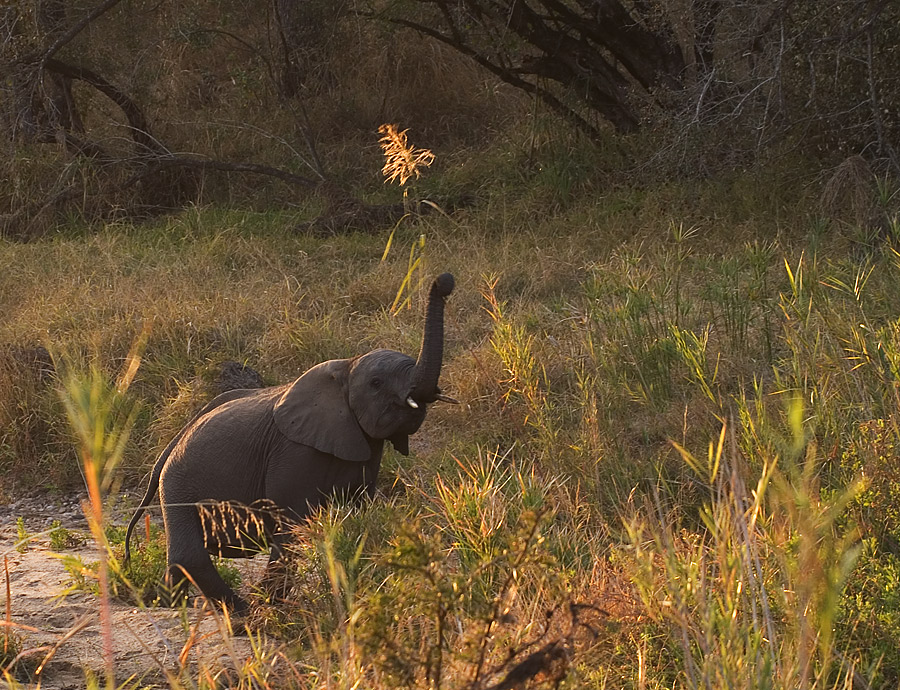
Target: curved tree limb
{"x": 140, "y": 131}
{"x": 508, "y": 76}
{"x": 75, "y": 30}
{"x": 154, "y": 164}
{"x": 600, "y": 52}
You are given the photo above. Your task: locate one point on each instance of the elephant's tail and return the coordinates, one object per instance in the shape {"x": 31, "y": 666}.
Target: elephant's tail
{"x": 153, "y": 486}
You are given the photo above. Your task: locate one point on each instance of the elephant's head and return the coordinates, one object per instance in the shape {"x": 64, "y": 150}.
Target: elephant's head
{"x": 337, "y": 406}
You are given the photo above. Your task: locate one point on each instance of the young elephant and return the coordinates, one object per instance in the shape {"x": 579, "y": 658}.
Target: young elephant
{"x": 288, "y": 447}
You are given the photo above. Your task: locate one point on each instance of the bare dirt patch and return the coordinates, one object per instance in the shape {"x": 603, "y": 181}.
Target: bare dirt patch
{"x": 148, "y": 644}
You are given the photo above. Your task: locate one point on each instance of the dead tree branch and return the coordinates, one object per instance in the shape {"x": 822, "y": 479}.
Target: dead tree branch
{"x": 153, "y": 165}
{"x": 75, "y": 30}
{"x": 137, "y": 121}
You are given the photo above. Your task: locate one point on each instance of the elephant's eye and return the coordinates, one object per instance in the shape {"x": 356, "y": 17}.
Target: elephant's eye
{"x": 375, "y": 383}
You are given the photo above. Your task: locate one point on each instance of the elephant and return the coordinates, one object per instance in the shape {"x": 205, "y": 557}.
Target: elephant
{"x": 253, "y": 460}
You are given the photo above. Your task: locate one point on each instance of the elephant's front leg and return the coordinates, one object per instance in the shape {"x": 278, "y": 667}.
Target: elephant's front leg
{"x": 275, "y": 583}
{"x": 188, "y": 560}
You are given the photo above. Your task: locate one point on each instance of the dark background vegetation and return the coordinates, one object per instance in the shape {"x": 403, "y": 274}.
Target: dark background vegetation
{"x": 131, "y": 108}
{"x": 674, "y": 226}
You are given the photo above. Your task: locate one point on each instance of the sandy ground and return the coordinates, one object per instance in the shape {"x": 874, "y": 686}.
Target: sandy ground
{"x": 66, "y": 630}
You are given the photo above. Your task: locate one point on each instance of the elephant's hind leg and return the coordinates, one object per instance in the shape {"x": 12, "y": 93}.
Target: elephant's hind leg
{"x": 188, "y": 560}
{"x": 207, "y": 578}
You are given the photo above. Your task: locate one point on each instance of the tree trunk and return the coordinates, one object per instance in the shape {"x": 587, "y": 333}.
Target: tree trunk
{"x": 303, "y": 29}
{"x": 16, "y": 111}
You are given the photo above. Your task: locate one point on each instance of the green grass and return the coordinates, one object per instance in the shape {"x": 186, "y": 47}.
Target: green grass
{"x": 62, "y": 539}
{"x": 142, "y": 581}
{"x": 584, "y": 497}
{"x": 22, "y": 536}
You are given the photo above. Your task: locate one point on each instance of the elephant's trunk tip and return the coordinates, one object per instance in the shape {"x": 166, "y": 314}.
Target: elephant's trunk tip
{"x": 443, "y": 285}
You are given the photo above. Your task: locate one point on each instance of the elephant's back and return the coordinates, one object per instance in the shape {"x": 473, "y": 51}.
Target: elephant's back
{"x": 222, "y": 454}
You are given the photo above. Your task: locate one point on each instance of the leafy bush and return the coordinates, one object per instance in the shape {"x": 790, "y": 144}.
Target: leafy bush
{"x": 464, "y": 584}
{"x": 22, "y": 536}
{"x": 62, "y": 538}
{"x": 868, "y": 622}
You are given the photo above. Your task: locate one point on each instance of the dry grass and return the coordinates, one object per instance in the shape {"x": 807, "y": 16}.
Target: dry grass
{"x": 563, "y": 525}
{"x": 849, "y": 195}
{"x": 582, "y": 338}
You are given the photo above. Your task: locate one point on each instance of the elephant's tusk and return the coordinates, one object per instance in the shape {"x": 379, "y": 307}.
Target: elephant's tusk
{"x": 412, "y": 403}
{"x": 447, "y": 399}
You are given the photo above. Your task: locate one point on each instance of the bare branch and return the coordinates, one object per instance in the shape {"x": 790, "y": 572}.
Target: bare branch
{"x": 140, "y": 130}
{"x": 76, "y": 29}
{"x": 508, "y": 76}
{"x": 170, "y": 161}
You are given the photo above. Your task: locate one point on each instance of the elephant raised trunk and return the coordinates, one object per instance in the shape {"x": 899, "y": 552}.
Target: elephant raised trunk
{"x": 428, "y": 366}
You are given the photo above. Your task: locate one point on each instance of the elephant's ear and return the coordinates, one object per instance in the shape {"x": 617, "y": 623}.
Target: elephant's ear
{"x": 314, "y": 411}
{"x": 400, "y": 443}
